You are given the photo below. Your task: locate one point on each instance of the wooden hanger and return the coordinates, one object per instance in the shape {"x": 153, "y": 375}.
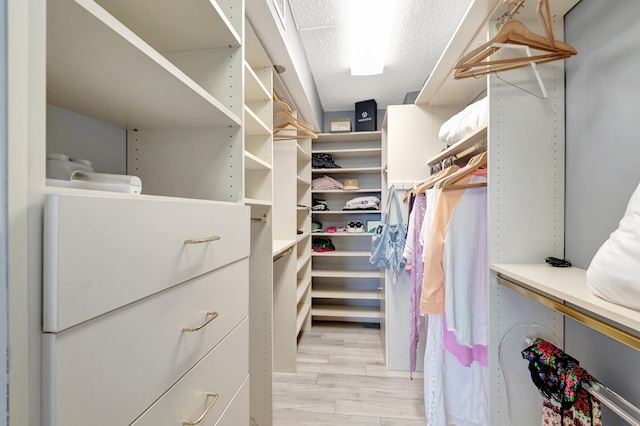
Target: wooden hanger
{"x": 435, "y": 178}
{"x": 474, "y": 164}
{"x": 513, "y": 32}
{"x": 290, "y": 127}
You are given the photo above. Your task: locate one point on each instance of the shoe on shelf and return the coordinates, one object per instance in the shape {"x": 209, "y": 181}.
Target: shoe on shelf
{"x": 359, "y": 226}
{"x": 351, "y": 226}
{"x": 331, "y": 229}
{"x": 351, "y": 184}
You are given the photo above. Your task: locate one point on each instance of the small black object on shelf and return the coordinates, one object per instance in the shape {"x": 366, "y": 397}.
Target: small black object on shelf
{"x": 558, "y": 263}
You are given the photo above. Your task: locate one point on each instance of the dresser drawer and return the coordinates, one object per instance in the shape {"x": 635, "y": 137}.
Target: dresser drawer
{"x": 113, "y": 367}
{"x": 237, "y": 412}
{"x": 223, "y": 372}
{"x": 101, "y": 253}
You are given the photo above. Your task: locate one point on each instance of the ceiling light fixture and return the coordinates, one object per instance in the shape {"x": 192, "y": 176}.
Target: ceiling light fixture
{"x": 369, "y": 33}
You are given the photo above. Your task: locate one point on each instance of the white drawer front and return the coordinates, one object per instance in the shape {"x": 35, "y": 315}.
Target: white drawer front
{"x": 237, "y": 412}
{"x": 101, "y": 253}
{"x": 222, "y": 371}
{"x": 112, "y": 368}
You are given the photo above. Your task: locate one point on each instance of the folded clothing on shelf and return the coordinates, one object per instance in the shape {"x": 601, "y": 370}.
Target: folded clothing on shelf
{"x": 320, "y": 160}
{"x": 326, "y": 182}
{"x": 322, "y": 244}
{"x": 362, "y": 203}
{"x": 319, "y": 205}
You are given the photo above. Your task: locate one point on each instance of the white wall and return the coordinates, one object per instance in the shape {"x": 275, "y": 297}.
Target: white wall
{"x": 82, "y": 137}
{"x": 4, "y": 308}
{"x": 603, "y": 92}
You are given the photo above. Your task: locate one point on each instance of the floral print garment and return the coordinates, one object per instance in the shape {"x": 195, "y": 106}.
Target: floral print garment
{"x": 558, "y": 377}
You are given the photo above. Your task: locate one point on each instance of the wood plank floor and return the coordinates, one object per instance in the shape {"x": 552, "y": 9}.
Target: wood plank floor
{"x": 342, "y": 380}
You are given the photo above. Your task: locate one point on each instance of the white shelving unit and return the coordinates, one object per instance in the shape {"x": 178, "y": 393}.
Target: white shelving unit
{"x": 345, "y": 286}
{"x": 258, "y": 193}
{"x": 171, "y": 82}
{"x": 292, "y": 247}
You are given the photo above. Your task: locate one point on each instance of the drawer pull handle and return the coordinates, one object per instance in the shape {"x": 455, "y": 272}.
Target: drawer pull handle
{"x": 202, "y": 240}
{"x": 211, "y": 315}
{"x": 206, "y": 410}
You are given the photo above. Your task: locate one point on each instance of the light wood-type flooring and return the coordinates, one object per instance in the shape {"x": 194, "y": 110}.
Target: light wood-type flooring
{"x": 342, "y": 380}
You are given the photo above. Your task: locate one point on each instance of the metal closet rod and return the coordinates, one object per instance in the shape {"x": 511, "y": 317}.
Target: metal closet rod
{"x": 614, "y": 332}
{"x": 606, "y": 396}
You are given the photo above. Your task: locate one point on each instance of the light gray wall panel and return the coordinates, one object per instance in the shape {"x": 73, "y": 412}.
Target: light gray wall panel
{"x": 603, "y": 124}
{"x": 602, "y": 151}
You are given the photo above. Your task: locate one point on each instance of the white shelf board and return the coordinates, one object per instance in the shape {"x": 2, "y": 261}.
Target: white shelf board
{"x": 341, "y": 253}
{"x": 463, "y": 144}
{"x": 342, "y": 212}
{"x": 253, "y": 125}
{"x": 348, "y": 170}
{"x": 301, "y": 288}
{"x": 257, "y": 202}
{"x": 349, "y": 137}
{"x": 342, "y": 234}
{"x": 340, "y": 273}
{"x": 345, "y": 191}
{"x": 168, "y": 28}
{"x": 254, "y": 51}
{"x": 346, "y": 311}
{"x": 303, "y": 313}
{"x": 302, "y": 154}
{"x": 351, "y": 153}
{"x": 280, "y": 246}
{"x": 303, "y": 181}
{"x": 302, "y": 262}
{"x": 301, "y": 237}
{"x": 570, "y": 286}
{"x": 344, "y": 294}
{"x": 252, "y": 162}
{"x": 254, "y": 90}
{"x": 118, "y": 82}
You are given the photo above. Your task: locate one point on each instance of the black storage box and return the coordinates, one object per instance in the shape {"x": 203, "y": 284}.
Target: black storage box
{"x": 366, "y": 116}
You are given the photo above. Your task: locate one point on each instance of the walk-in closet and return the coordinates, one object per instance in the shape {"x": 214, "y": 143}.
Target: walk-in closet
{"x": 212, "y": 216}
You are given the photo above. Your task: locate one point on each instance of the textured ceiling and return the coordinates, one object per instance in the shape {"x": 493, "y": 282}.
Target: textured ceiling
{"x": 420, "y": 32}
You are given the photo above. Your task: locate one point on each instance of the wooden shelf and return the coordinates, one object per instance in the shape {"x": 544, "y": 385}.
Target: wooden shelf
{"x": 347, "y": 153}
{"x": 302, "y": 316}
{"x": 344, "y": 294}
{"x": 252, "y": 162}
{"x": 358, "y": 312}
{"x": 302, "y": 154}
{"x": 202, "y": 25}
{"x": 341, "y": 273}
{"x": 351, "y": 137}
{"x": 342, "y": 234}
{"x": 345, "y": 191}
{"x": 461, "y": 145}
{"x": 253, "y": 125}
{"x": 118, "y": 82}
{"x": 280, "y": 246}
{"x": 257, "y": 202}
{"x": 569, "y": 285}
{"x": 341, "y": 253}
{"x": 330, "y": 212}
{"x": 348, "y": 170}
{"x": 301, "y": 289}
{"x": 254, "y": 90}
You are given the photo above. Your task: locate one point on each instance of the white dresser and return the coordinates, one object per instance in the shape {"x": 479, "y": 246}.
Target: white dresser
{"x": 145, "y": 312}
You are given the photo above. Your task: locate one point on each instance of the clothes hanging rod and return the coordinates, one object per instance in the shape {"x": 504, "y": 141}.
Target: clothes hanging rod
{"x": 283, "y": 254}
{"x": 608, "y": 397}
{"x": 262, "y": 219}
{"x": 609, "y": 330}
